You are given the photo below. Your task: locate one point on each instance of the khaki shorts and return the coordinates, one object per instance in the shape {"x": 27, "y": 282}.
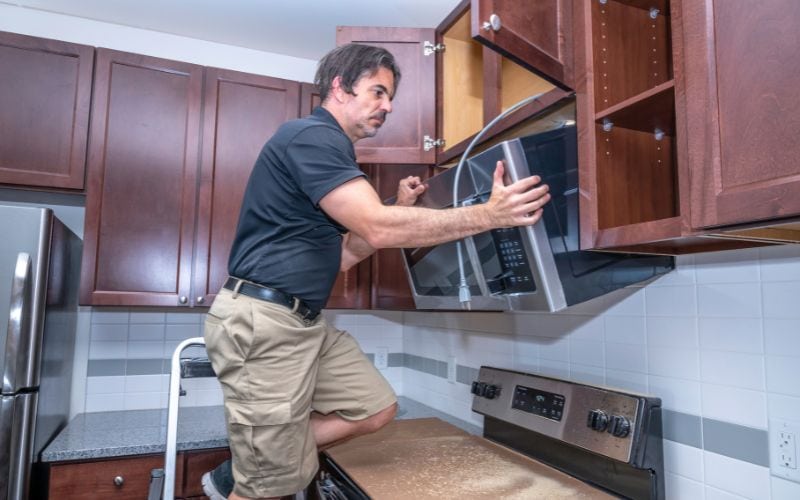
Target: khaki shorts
{"x": 274, "y": 370}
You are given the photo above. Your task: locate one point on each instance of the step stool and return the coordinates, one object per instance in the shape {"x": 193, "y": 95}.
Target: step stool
{"x": 162, "y": 481}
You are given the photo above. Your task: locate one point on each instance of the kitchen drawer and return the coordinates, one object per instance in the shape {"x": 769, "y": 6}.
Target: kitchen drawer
{"x": 96, "y": 479}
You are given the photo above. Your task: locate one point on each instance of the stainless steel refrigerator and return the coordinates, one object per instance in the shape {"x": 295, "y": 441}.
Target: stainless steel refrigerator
{"x": 39, "y": 272}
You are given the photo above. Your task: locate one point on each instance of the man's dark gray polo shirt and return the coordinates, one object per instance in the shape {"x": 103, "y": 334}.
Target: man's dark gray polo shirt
{"x": 283, "y": 239}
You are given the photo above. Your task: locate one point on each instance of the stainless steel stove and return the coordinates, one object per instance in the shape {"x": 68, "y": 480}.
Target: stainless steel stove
{"x": 542, "y": 438}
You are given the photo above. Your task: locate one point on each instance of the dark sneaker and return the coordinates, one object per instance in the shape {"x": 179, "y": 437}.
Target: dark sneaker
{"x": 218, "y": 484}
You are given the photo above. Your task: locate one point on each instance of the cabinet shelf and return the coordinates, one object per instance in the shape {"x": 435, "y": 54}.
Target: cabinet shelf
{"x": 645, "y": 112}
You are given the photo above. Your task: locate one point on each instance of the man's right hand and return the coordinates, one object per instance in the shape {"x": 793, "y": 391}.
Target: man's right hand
{"x": 518, "y": 204}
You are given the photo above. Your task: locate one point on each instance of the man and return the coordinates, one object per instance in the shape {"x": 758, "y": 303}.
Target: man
{"x": 293, "y": 384}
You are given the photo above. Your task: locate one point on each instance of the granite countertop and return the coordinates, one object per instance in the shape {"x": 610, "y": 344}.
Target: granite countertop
{"x": 140, "y": 432}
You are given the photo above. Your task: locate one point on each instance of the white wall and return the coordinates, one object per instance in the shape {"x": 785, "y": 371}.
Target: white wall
{"x": 99, "y": 34}
{"x": 718, "y": 338}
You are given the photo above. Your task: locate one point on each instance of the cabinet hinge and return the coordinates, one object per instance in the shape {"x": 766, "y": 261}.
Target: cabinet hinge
{"x": 429, "y": 143}
{"x": 428, "y": 48}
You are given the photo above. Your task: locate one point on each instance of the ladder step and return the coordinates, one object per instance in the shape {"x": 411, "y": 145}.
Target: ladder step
{"x": 196, "y": 368}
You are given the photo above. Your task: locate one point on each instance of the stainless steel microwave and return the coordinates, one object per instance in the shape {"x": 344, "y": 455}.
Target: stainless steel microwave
{"x": 535, "y": 268}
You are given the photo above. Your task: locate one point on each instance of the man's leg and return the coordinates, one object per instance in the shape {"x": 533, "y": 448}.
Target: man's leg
{"x": 331, "y": 429}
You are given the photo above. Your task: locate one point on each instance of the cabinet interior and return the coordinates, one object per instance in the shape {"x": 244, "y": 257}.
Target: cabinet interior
{"x": 465, "y": 90}
{"x": 462, "y": 83}
{"x": 634, "y": 106}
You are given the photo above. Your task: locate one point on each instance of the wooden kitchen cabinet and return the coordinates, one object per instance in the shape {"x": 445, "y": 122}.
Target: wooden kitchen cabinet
{"x": 44, "y": 111}
{"x": 634, "y": 121}
{"x": 742, "y": 72}
{"x": 129, "y": 477}
{"x": 241, "y": 112}
{"x": 449, "y": 71}
{"x": 389, "y": 287}
{"x": 142, "y": 183}
{"x": 160, "y": 214}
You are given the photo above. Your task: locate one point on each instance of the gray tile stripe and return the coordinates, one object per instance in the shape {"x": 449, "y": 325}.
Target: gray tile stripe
{"x": 731, "y": 440}
{"x": 736, "y": 441}
{"x": 682, "y": 428}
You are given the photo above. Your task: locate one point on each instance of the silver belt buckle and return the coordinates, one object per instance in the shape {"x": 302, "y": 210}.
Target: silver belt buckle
{"x": 296, "y": 305}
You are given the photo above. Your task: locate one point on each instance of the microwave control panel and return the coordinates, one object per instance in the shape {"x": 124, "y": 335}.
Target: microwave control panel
{"x": 516, "y": 276}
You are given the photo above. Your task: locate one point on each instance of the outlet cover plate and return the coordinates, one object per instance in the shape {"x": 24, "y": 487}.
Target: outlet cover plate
{"x": 783, "y": 437}
{"x": 381, "y": 358}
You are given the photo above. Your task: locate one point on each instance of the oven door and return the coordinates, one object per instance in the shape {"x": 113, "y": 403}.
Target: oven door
{"x": 333, "y": 484}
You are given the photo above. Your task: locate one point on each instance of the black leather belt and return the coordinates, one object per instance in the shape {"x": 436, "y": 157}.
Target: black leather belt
{"x": 271, "y": 295}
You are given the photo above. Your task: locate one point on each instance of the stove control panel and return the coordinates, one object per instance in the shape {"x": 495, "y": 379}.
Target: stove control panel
{"x": 604, "y": 421}
{"x": 542, "y": 403}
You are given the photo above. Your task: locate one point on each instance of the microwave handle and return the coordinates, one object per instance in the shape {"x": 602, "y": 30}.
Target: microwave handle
{"x": 475, "y": 262}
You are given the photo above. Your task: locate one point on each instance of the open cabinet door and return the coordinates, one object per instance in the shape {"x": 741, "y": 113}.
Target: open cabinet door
{"x": 401, "y": 138}
{"x": 536, "y": 35}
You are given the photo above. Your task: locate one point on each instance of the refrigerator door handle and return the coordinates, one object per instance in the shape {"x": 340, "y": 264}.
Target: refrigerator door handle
{"x": 19, "y": 325}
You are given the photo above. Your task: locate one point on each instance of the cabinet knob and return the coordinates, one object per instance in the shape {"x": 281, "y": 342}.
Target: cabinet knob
{"x": 183, "y": 299}
{"x": 200, "y": 299}
{"x": 119, "y": 481}
{"x": 493, "y": 23}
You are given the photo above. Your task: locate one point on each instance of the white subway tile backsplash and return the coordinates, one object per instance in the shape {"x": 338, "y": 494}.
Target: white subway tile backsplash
{"x": 784, "y": 407}
{"x": 556, "y": 349}
{"x": 686, "y": 461}
{"x": 109, "y": 315}
{"x": 585, "y": 352}
{"x": 780, "y": 263}
{"x": 628, "y": 381}
{"x": 783, "y": 489}
{"x": 186, "y": 317}
{"x": 625, "y": 329}
{"x": 674, "y": 362}
{"x": 592, "y": 375}
{"x": 783, "y": 375}
{"x": 183, "y": 331}
{"x": 729, "y": 300}
{"x": 105, "y": 385}
{"x": 145, "y": 350}
{"x": 676, "y": 331}
{"x": 559, "y": 369}
{"x": 109, "y": 332}
{"x": 633, "y": 305}
{"x": 144, "y": 400}
{"x": 671, "y": 301}
{"x": 717, "y": 494}
{"x": 733, "y": 368}
{"x": 147, "y": 331}
{"x": 682, "y": 488}
{"x": 782, "y": 336}
{"x": 735, "y": 476}
{"x": 731, "y": 404}
{"x": 143, "y": 383}
{"x": 589, "y": 328}
{"x": 107, "y": 350}
{"x": 628, "y": 357}
{"x": 148, "y": 317}
{"x": 731, "y": 334}
{"x": 676, "y": 394}
{"x": 781, "y": 299}
{"x": 104, "y": 402}
{"x": 727, "y": 267}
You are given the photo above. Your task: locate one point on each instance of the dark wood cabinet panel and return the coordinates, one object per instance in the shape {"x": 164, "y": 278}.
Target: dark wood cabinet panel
{"x": 44, "y": 111}
{"x": 241, "y": 112}
{"x": 537, "y": 35}
{"x": 195, "y": 464}
{"x": 742, "y": 75}
{"x": 141, "y": 189}
{"x": 401, "y": 138}
{"x": 82, "y": 480}
{"x": 390, "y": 288}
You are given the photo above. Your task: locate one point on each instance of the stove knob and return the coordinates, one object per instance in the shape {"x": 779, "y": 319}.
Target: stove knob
{"x": 619, "y": 426}
{"x": 475, "y": 387}
{"x": 491, "y": 391}
{"x": 597, "y": 420}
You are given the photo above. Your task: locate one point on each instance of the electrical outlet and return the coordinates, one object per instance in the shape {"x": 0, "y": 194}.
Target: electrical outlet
{"x": 451, "y": 369}
{"x": 381, "y": 358}
{"x": 783, "y": 437}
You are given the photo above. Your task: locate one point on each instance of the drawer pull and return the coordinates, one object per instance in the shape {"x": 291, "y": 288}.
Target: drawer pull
{"x": 119, "y": 481}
